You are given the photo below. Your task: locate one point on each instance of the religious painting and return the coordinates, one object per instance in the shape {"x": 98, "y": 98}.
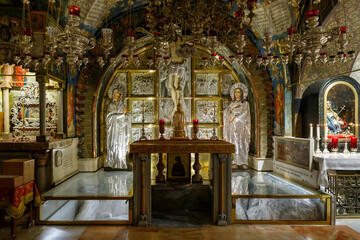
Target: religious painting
{"x": 206, "y": 111}
{"x": 227, "y": 81}
{"x": 294, "y": 151}
{"x": 143, "y": 109}
{"x": 178, "y": 168}
{"x": 206, "y": 133}
{"x": 136, "y": 133}
{"x": 207, "y": 84}
{"x": 142, "y": 84}
{"x": 340, "y": 110}
{"x": 31, "y": 112}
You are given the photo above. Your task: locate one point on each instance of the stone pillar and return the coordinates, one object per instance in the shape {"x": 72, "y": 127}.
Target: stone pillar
{"x": 42, "y": 175}
{"x": 42, "y": 91}
{"x": 60, "y": 113}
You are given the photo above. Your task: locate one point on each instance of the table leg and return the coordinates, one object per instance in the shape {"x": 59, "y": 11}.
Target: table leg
{"x": 160, "y": 178}
{"x": 222, "y": 216}
{"x": 197, "y": 178}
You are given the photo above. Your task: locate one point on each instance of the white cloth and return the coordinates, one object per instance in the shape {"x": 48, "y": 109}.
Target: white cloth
{"x": 335, "y": 162}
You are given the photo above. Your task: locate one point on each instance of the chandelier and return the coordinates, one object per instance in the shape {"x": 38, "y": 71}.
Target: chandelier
{"x": 310, "y": 45}
{"x": 73, "y": 43}
{"x": 199, "y": 22}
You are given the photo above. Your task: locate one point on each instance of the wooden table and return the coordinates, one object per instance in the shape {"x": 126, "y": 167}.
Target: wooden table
{"x": 221, "y": 174}
{"x": 13, "y": 200}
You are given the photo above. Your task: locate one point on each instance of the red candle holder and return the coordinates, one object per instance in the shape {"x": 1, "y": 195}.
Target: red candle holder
{"x": 334, "y": 144}
{"x": 74, "y": 10}
{"x": 353, "y": 144}
{"x": 161, "y": 129}
{"x": 195, "y": 128}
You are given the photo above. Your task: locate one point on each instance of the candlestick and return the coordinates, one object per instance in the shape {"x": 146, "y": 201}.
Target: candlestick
{"x": 318, "y": 151}
{"x": 161, "y": 129}
{"x": 214, "y": 137}
{"x": 143, "y": 137}
{"x": 326, "y": 132}
{"x": 24, "y": 137}
{"x": 346, "y": 150}
{"x": 311, "y": 131}
{"x": 195, "y": 128}
{"x": 318, "y": 131}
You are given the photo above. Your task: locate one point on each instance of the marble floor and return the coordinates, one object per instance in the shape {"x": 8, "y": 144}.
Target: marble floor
{"x": 257, "y": 232}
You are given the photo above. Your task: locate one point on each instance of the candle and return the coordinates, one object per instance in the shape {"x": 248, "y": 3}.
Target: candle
{"x": 195, "y": 128}
{"x": 161, "y": 125}
{"x": 318, "y": 131}
{"x": 353, "y": 142}
{"x": 334, "y": 142}
{"x": 311, "y": 131}
{"x": 326, "y": 133}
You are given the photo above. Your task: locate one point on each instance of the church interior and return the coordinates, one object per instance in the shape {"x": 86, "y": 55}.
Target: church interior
{"x": 179, "y": 119}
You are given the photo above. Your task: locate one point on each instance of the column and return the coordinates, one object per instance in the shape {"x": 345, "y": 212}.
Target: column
{"x": 142, "y": 189}
{"x": 42, "y": 98}
{"x": 42, "y": 175}
{"x": 221, "y": 166}
{"x": 6, "y": 131}
{"x": 60, "y": 114}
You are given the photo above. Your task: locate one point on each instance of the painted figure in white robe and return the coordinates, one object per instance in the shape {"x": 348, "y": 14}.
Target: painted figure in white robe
{"x": 118, "y": 125}
{"x": 237, "y": 124}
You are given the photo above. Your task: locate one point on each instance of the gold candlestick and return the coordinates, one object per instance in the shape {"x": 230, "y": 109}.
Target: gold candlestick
{"x": 143, "y": 137}
{"x": 214, "y": 137}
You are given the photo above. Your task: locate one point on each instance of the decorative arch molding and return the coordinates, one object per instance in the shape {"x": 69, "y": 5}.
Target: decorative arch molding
{"x": 144, "y": 44}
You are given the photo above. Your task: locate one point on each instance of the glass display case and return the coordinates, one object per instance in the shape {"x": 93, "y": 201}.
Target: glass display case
{"x": 260, "y": 197}
{"x": 101, "y": 197}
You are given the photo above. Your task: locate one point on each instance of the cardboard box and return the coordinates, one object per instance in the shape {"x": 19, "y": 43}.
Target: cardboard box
{"x": 22, "y": 167}
{"x": 10, "y": 181}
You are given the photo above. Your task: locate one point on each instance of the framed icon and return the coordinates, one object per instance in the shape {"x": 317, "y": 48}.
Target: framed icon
{"x": 178, "y": 168}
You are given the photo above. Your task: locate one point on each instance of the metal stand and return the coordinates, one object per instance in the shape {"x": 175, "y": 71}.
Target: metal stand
{"x": 214, "y": 137}
{"x": 346, "y": 150}
{"x": 143, "y": 137}
{"x": 326, "y": 151}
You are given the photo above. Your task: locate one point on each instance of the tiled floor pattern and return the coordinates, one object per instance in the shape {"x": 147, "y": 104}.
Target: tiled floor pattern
{"x": 250, "y": 232}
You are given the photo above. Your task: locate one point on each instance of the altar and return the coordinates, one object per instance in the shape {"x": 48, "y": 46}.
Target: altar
{"x": 220, "y": 174}
{"x": 339, "y": 175}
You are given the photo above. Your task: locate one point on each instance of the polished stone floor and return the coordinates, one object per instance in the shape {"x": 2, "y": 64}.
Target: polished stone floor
{"x": 255, "y": 232}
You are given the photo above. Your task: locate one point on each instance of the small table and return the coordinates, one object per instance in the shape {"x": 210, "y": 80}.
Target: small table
{"x": 14, "y": 200}
{"x": 221, "y": 174}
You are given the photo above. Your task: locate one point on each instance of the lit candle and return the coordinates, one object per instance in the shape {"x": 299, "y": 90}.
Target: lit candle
{"x": 311, "y": 131}
{"x": 318, "y": 131}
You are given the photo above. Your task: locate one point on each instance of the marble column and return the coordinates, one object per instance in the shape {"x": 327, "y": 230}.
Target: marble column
{"x": 60, "y": 113}
{"x": 42, "y": 98}
{"x": 6, "y": 110}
